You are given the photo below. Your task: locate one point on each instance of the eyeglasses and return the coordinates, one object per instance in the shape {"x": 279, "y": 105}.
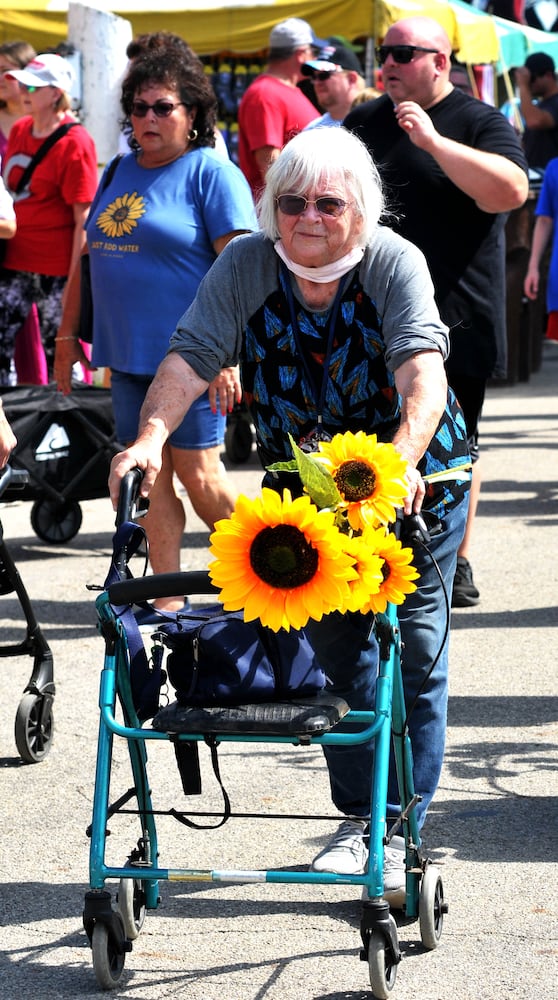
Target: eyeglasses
{"x": 161, "y": 108}
{"x": 324, "y": 74}
{"x": 30, "y": 90}
{"x": 400, "y": 53}
{"x": 295, "y": 204}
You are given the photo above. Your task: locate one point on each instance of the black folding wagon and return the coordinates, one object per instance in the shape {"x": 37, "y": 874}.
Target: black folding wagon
{"x": 65, "y": 444}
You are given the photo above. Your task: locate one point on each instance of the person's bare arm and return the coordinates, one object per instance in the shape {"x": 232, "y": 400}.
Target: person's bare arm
{"x": 8, "y": 439}
{"x": 495, "y": 183}
{"x": 7, "y": 228}
{"x": 171, "y": 394}
{"x": 225, "y": 389}
{"x": 264, "y": 157}
{"x": 421, "y": 382}
{"x": 68, "y": 349}
{"x": 220, "y": 243}
{"x": 81, "y": 211}
{"x": 534, "y": 117}
{"x": 541, "y": 234}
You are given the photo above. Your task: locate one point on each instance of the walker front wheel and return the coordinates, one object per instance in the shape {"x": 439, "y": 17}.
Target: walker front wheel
{"x": 432, "y": 907}
{"x": 33, "y": 728}
{"x": 381, "y": 968}
{"x": 107, "y": 962}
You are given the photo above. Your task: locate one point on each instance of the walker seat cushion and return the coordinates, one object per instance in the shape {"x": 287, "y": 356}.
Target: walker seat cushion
{"x": 303, "y": 717}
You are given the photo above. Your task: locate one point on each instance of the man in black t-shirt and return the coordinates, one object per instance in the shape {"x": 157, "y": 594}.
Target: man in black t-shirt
{"x": 538, "y": 104}
{"x": 452, "y": 167}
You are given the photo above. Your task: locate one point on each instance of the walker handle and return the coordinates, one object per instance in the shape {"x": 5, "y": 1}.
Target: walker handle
{"x": 12, "y": 477}
{"x": 130, "y": 505}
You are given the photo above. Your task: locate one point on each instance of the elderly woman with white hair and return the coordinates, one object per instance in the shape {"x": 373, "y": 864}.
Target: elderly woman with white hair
{"x": 332, "y": 319}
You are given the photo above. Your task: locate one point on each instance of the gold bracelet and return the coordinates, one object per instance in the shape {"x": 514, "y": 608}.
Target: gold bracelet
{"x": 58, "y": 339}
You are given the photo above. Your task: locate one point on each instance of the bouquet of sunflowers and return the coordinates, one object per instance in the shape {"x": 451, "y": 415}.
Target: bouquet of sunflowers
{"x": 285, "y": 561}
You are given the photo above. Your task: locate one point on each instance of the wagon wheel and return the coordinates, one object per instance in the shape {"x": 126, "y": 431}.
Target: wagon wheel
{"x": 54, "y": 521}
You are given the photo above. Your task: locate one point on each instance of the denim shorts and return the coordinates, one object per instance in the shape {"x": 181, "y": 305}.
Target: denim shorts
{"x": 201, "y": 428}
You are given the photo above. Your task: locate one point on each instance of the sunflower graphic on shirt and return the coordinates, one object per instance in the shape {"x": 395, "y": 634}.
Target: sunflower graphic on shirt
{"x": 120, "y": 218}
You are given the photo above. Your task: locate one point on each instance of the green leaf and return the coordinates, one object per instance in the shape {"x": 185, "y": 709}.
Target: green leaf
{"x": 319, "y": 483}
{"x": 289, "y": 466}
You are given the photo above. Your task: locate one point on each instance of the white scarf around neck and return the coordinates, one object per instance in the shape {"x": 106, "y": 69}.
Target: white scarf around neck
{"x": 328, "y": 272}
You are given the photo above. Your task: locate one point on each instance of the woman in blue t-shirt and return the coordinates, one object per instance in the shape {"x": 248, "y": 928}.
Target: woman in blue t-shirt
{"x": 170, "y": 207}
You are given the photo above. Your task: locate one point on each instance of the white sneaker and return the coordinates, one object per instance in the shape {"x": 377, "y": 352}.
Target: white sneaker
{"x": 346, "y": 853}
{"x": 394, "y": 873}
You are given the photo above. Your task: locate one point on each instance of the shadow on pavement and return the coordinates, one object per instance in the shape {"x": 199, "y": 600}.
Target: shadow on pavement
{"x": 527, "y": 618}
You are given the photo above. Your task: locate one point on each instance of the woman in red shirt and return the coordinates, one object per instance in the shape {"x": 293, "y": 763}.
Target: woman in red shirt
{"x": 52, "y": 207}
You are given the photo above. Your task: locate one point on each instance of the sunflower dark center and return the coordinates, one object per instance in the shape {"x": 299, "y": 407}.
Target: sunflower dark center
{"x": 385, "y": 569}
{"x": 355, "y": 480}
{"x": 283, "y": 557}
{"x": 120, "y": 214}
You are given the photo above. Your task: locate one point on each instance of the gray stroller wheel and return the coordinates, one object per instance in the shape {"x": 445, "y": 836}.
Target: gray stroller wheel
{"x": 108, "y": 964}
{"x": 33, "y": 728}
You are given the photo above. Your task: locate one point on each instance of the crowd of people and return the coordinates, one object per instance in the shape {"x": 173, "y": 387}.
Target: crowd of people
{"x": 379, "y": 247}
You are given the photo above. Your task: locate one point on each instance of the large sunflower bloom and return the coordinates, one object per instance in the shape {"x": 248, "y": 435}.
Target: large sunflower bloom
{"x": 397, "y": 571}
{"x": 280, "y": 560}
{"x": 369, "y": 476}
{"x": 368, "y": 565}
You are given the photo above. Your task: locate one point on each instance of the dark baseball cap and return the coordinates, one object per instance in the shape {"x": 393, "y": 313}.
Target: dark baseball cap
{"x": 333, "y": 56}
{"x": 539, "y": 63}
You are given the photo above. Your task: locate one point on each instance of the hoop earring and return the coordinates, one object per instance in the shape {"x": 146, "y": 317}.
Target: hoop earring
{"x": 192, "y": 135}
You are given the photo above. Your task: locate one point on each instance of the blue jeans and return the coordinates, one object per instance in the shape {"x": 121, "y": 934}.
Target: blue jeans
{"x": 348, "y": 652}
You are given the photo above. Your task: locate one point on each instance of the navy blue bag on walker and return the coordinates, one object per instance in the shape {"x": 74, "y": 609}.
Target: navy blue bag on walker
{"x": 216, "y": 658}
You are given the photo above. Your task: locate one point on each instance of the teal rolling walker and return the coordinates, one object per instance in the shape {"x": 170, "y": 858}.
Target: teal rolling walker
{"x": 113, "y": 925}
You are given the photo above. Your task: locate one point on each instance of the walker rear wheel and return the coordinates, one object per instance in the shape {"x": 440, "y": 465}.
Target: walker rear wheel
{"x": 107, "y": 963}
{"x": 131, "y": 906}
{"x": 381, "y": 968}
{"x": 431, "y": 907}
{"x": 33, "y": 728}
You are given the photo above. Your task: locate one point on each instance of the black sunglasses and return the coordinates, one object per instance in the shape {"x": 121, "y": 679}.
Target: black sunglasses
{"x": 400, "y": 53}
{"x": 161, "y": 108}
{"x": 324, "y": 74}
{"x": 295, "y": 204}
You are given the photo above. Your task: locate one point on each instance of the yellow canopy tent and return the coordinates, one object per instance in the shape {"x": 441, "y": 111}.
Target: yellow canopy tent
{"x": 208, "y": 25}
{"x": 243, "y": 25}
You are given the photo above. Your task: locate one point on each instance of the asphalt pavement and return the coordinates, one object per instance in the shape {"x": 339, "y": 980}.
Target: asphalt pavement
{"x": 492, "y": 827}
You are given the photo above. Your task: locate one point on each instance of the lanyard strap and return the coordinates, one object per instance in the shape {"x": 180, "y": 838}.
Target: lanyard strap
{"x": 318, "y": 399}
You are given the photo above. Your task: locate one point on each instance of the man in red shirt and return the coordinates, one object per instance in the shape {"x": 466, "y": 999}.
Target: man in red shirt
{"x": 274, "y": 109}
